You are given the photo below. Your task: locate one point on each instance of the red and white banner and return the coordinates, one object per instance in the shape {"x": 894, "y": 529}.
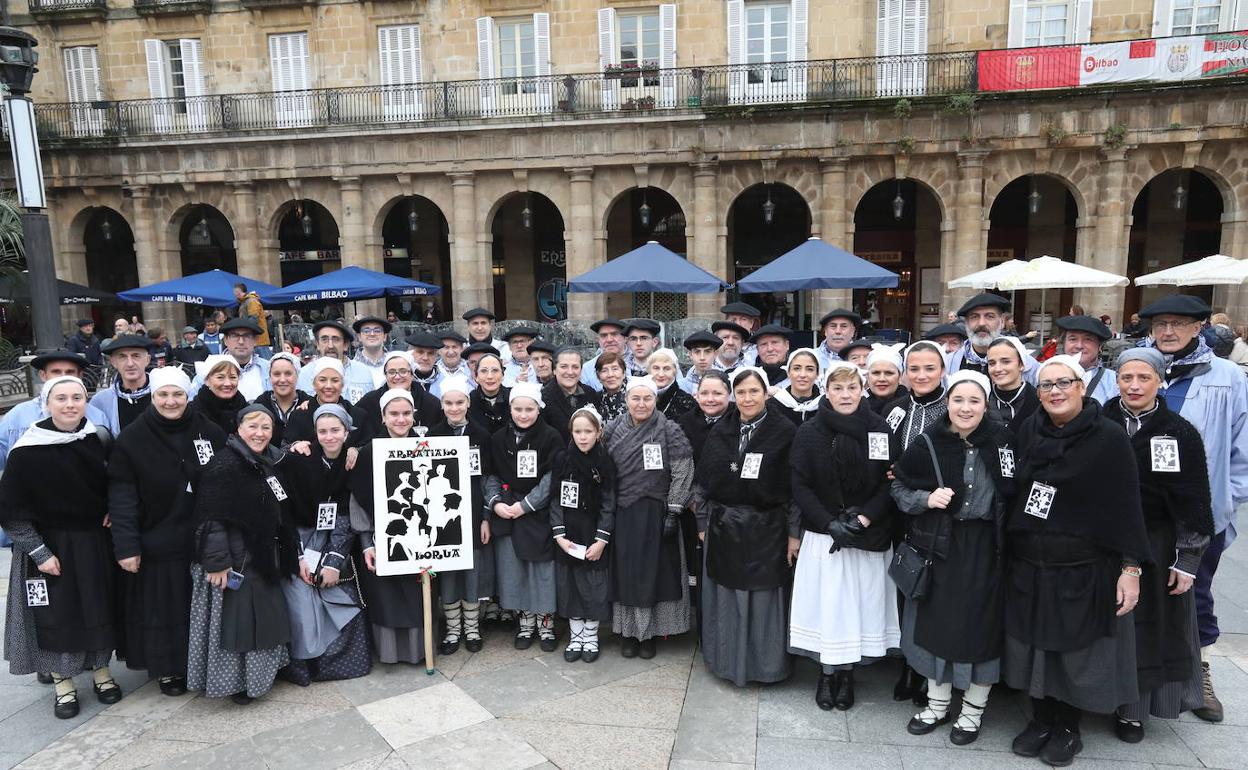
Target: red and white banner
{"x": 1128, "y": 61}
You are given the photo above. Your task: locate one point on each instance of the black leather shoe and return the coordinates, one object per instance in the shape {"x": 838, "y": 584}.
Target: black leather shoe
{"x": 1062, "y": 747}
{"x": 571, "y": 655}
{"x": 823, "y": 692}
{"x": 107, "y": 693}
{"x": 960, "y": 737}
{"x": 844, "y": 698}
{"x": 629, "y": 647}
{"x": 65, "y": 706}
{"x": 473, "y": 645}
{"x": 241, "y": 698}
{"x": 919, "y": 727}
{"x": 524, "y": 641}
{"x": 1128, "y": 732}
{"x": 589, "y": 656}
{"x": 173, "y": 686}
{"x": 449, "y": 646}
{"x": 902, "y": 690}
{"x": 548, "y": 644}
{"x": 1030, "y": 741}
{"x": 43, "y": 678}
{"x": 647, "y": 649}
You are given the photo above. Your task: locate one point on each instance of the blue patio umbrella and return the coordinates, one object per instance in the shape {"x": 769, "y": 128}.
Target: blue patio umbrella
{"x": 817, "y": 264}
{"x": 648, "y": 268}
{"x": 348, "y": 284}
{"x": 214, "y": 288}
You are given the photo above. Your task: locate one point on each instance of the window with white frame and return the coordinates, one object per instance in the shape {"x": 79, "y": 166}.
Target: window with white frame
{"x": 1047, "y": 21}
{"x": 176, "y": 74}
{"x": 1195, "y": 17}
{"x": 767, "y": 40}
{"x": 639, "y": 44}
{"x": 517, "y": 56}
{"x": 82, "y": 73}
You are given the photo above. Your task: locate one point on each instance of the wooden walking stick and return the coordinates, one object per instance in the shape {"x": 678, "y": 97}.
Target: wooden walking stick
{"x": 426, "y": 597}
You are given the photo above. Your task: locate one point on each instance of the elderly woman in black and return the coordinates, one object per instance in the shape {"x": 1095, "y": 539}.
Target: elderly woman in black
{"x": 153, "y": 473}
{"x": 954, "y": 484}
{"x": 54, "y": 504}
{"x": 565, "y": 393}
{"x": 664, "y": 368}
{"x": 1075, "y": 541}
{"x": 612, "y": 371}
{"x": 1174, "y": 491}
{"x": 749, "y": 525}
{"x": 245, "y": 546}
{"x": 648, "y": 574}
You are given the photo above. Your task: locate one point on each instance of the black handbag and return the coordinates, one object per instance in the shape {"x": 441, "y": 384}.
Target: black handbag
{"x": 911, "y": 570}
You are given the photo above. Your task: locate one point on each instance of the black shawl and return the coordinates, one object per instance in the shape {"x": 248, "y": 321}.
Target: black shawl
{"x": 427, "y": 412}
{"x": 222, "y": 412}
{"x": 697, "y": 427}
{"x": 877, "y": 403}
{"x": 1165, "y": 496}
{"x": 158, "y": 460}
{"x": 493, "y": 416}
{"x": 560, "y": 406}
{"x": 60, "y": 486}
{"x": 675, "y": 403}
{"x": 478, "y": 440}
{"x": 530, "y": 533}
{"x": 314, "y": 479}
{"x": 594, "y": 473}
{"x": 1015, "y": 407}
{"x": 719, "y": 469}
{"x": 1098, "y": 491}
{"x": 269, "y": 401}
{"x": 302, "y": 426}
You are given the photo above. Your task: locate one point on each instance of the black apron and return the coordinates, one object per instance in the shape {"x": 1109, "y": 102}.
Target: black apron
{"x": 747, "y": 547}
{"x": 1162, "y": 650}
{"x": 1062, "y": 592}
{"x": 645, "y": 566}
{"x": 961, "y": 618}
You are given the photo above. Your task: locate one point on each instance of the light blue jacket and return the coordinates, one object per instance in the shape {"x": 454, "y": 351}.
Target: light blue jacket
{"x": 355, "y": 385}
{"x": 105, "y": 401}
{"x": 1107, "y": 388}
{"x": 27, "y": 413}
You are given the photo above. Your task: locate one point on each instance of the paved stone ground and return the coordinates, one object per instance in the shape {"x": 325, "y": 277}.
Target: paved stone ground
{"x": 503, "y": 709}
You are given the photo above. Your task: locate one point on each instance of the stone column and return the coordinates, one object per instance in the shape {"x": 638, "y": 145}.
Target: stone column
{"x": 154, "y": 263}
{"x": 583, "y": 307}
{"x": 969, "y": 253}
{"x": 253, "y": 259}
{"x": 470, "y": 273}
{"x": 1233, "y": 300}
{"x": 832, "y": 222}
{"x": 353, "y": 240}
{"x": 1110, "y": 252}
{"x": 705, "y": 251}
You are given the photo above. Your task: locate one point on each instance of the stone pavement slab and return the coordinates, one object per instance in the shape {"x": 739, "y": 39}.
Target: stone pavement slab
{"x": 415, "y": 716}
{"x": 488, "y": 745}
{"x": 320, "y": 744}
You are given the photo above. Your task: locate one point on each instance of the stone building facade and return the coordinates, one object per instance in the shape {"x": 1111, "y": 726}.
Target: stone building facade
{"x": 381, "y": 146}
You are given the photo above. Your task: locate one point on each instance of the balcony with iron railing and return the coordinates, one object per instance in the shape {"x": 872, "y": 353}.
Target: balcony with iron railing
{"x": 171, "y": 7}
{"x": 66, "y": 9}
{"x": 614, "y": 95}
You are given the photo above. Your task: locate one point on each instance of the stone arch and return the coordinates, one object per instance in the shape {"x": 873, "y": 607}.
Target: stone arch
{"x": 1075, "y": 171}
{"x": 1146, "y": 166}
{"x": 931, "y": 174}
{"x": 736, "y": 178}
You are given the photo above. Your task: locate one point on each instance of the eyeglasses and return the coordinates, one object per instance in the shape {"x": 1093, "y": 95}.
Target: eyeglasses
{"x": 398, "y": 372}
{"x": 1177, "y": 326}
{"x": 241, "y": 336}
{"x": 1063, "y": 384}
{"x": 372, "y": 330}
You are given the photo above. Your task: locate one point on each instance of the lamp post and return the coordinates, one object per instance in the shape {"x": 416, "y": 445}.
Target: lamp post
{"x": 17, "y": 69}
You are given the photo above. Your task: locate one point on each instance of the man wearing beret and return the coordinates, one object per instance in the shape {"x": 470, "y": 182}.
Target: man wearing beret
{"x": 238, "y": 340}
{"x": 423, "y": 349}
{"x": 130, "y": 392}
{"x": 772, "y": 343}
{"x": 732, "y": 337}
{"x": 985, "y": 321}
{"x": 332, "y": 341}
{"x": 839, "y": 327}
{"x": 748, "y": 317}
{"x": 481, "y": 329}
{"x": 372, "y": 332}
{"x": 1212, "y": 394}
{"x": 1082, "y": 337}
{"x": 643, "y": 339}
{"x": 85, "y": 343}
{"x": 518, "y": 368}
{"x": 451, "y": 356}
{"x": 610, "y": 333}
{"x": 702, "y": 347}
{"x": 950, "y": 337}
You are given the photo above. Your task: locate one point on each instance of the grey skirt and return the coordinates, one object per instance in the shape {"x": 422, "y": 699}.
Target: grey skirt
{"x": 211, "y": 666}
{"x": 1098, "y": 678}
{"x": 526, "y": 586}
{"x": 960, "y": 675}
{"x": 471, "y": 585}
{"x": 745, "y": 633}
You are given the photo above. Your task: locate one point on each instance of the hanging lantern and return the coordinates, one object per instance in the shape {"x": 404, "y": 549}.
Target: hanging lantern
{"x": 899, "y": 205}
{"x": 1180, "y": 197}
{"x": 526, "y": 218}
{"x": 201, "y": 229}
{"x": 106, "y": 229}
{"x": 413, "y": 219}
{"x": 644, "y": 211}
{"x": 769, "y": 209}
{"x": 1033, "y": 201}
{"x": 305, "y": 222}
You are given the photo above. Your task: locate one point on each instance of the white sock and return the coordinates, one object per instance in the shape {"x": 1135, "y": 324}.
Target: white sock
{"x": 546, "y": 626}
{"x": 974, "y": 701}
{"x": 472, "y": 620}
{"x": 577, "y": 641}
{"x": 528, "y": 623}
{"x": 591, "y": 635}
{"x": 938, "y": 698}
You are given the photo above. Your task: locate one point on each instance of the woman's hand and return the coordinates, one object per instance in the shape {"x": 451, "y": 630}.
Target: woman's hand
{"x": 50, "y": 566}
{"x": 795, "y": 545}
{"x": 329, "y": 577}
{"x": 304, "y": 405}
{"x": 370, "y": 559}
{"x": 1179, "y": 583}
{"x": 502, "y": 510}
{"x": 864, "y": 521}
{"x": 131, "y": 564}
{"x": 702, "y": 536}
{"x": 517, "y": 510}
{"x": 594, "y": 552}
{"x": 352, "y": 455}
{"x": 940, "y": 498}
{"x": 1128, "y": 594}
{"x": 485, "y": 532}
{"x": 564, "y": 543}
{"x": 108, "y": 521}
{"x": 301, "y": 447}
{"x": 305, "y": 574}
{"x": 219, "y": 579}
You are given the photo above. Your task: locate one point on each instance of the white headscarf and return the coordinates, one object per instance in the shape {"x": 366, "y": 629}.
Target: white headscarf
{"x": 968, "y": 375}
{"x": 203, "y": 368}
{"x": 646, "y": 382}
{"x": 527, "y": 390}
{"x": 289, "y": 357}
{"x": 455, "y": 383}
{"x": 1063, "y": 360}
{"x": 165, "y": 376}
{"x": 325, "y": 362}
{"x": 885, "y": 353}
{"x": 394, "y": 393}
{"x": 37, "y": 436}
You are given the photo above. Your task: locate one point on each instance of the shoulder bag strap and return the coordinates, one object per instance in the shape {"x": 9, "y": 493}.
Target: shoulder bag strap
{"x": 940, "y": 480}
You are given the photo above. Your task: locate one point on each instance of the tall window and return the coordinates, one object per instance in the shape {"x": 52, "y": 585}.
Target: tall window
{"x": 1195, "y": 17}
{"x": 177, "y": 75}
{"x": 639, "y": 40}
{"x": 1046, "y": 22}
{"x": 82, "y": 73}
{"x": 517, "y": 55}
{"x": 767, "y": 35}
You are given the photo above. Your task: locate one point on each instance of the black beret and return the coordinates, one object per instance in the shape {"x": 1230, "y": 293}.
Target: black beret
{"x": 944, "y": 329}
{"x": 419, "y": 339}
{"x": 1178, "y": 304}
{"x": 245, "y": 324}
{"x": 858, "y": 343}
{"x": 477, "y": 311}
{"x": 126, "y": 341}
{"x": 644, "y": 325}
{"x": 702, "y": 339}
{"x": 597, "y": 325}
{"x": 774, "y": 330}
{"x": 1085, "y": 323}
{"x": 987, "y": 299}
{"x": 720, "y": 326}
{"x": 480, "y": 347}
{"x": 539, "y": 346}
{"x": 740, "y": 308}
{"x": 454, "y": 336}
{"x": 526, "y": 331}
{"x": 85, "y": 322}
{"x": 331, "y": 324}
{"x": 383, "y": 323}
{"x": 840, "y": 312}
{"x": 43, "y": 359}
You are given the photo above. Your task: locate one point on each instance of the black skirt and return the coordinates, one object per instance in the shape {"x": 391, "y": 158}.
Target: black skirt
{"x": 1061, "y": 592}
{"x": 645, "y": 566}
{"x": 393, "y": 602}
{"x": 81, "y": 612}
{"x": 1163, "y": 653}
{"x": 961, "y": 619}
{"x": 254, "y": 617}
{"x": 157, "y": 612}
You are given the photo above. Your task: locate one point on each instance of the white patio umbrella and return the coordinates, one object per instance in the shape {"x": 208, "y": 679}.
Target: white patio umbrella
{"x": 990, "y": 278}
{"x": 1052, "y": 273}
{"x": 1214, "y": 270}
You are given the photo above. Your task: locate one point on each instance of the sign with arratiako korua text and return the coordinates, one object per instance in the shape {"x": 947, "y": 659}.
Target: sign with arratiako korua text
{"x": 422, "y": 505}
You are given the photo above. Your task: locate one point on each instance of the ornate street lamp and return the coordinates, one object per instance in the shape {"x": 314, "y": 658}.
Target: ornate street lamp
{"x": 644, "y": 211}
{"x": 1033, "y": 201}
{"x": 413, "y": 219}
{"x": 106, "y": 229}
{"x": 305, "y": 221}
{"x": 1180, "y": 197}
{"x": 899, "y": 205}
{"x": 769, "y": 209}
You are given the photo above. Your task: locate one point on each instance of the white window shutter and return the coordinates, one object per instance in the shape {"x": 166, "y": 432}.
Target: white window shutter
{"x": 736, "y": 50}
{"x": 541, "y": 52}
{"x": 608, "y": 55}
{"x": 398, "y": 49}
{"x": 486, "y": 64}
{"x": 888, "y": 42}
{"x": 82, "y": 77}
{"x": 799, "y": 14}
{"x": 193, "y": 78}
{"x": 1240, "y": 20}
{"x": 667, "y": 54}
{"x": 1017, "y": 33}
{"x": 1081, "y": 30}
{"x": 914, "y": 46}
{"x": 1163, "y": 14}
{"x": 158, "y": 85}
{"x": 288, "y": 59}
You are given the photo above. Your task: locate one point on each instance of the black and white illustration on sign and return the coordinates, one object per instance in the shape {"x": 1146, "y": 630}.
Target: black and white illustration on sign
{"x": 1039, "y": 500}
{"x": 652, "y": 457}
{"x": 203, "y": 451}
{"x": 326, "y": 515}
{"x": 569, "y": 494}
{"x": 422, "y": 500}
{"x": 1165, "y": 451}
{"x": 877, "y": 446}
{"x": 1007, "y": 461}
{"x": 526, "y": 464}
{"x": 37, "y": 593}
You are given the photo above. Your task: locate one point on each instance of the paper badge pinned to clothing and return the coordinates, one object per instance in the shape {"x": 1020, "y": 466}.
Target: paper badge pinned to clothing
{"x": 1165, "y": 452}
{"x": 751, "y": 465}
{"x": 895, "y": 417}
{"x": 652, "y": 457}
{"x": 276, "y": 486}
{"x": 569, "y": 494}
{"x": 355, "y": 393}
{"x": 203, "y": 450}
{"x": 474, "y": 461}
{"x": 326, "y": 515}
{"x": 1006, "y": 455}
{"x": 1039, "y": 500}
{"x": 877, "y": 446}
{"x": 526, "y": 464}
{"x": 37, "y": 593}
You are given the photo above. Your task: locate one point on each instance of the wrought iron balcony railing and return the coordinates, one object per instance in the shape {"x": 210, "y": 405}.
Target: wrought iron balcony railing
{"x": 171, "y": 7}
{"x": 619, "y": 94}
{"x": 45, "y": 9}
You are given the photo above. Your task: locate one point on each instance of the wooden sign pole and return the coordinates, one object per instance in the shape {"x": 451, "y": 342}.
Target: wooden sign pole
{"x": 427, "y": 600}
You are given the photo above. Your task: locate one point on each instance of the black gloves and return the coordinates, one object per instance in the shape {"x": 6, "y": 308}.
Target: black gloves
{"x": 671, "y": 525}
{"x": 846, "y": 531}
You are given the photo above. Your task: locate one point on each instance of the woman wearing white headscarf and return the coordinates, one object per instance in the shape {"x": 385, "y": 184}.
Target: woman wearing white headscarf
{"x": 800, "y": 398}
{"x": 327, "y": 382}
{"x": 884, "y": 376}
{"x": 284, "y": 394}
{"x": 54, "y": 504}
